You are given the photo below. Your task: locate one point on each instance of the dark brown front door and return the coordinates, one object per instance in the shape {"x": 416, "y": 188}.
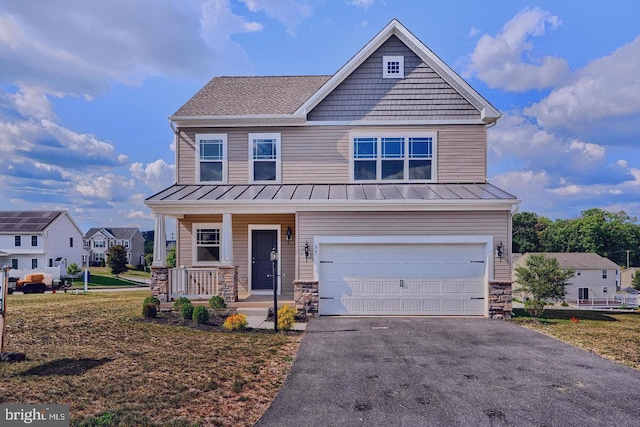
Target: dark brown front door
{"x": 262, "y": 243}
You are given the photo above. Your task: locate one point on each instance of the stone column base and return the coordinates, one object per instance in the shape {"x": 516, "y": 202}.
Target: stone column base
{"x": 305, "y": 294}
{"x": 228, "y": 283}
{"x": 500, "y": 303}
{"x": 160, "y": 283}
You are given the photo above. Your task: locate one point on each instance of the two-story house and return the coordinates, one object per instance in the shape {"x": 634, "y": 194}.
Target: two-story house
{"x": 98, "y": 241}
{"x": 39, "y": 239}
{"x": 368, "y": 185}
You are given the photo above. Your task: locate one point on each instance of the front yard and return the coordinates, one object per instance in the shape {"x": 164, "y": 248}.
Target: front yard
{"x": 95, "y": 353}
{"x": 612, "y": 335}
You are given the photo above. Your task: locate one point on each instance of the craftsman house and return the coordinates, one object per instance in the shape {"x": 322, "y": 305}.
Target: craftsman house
{"x": 98, "y": 241}
{"x": 368, "y": 187}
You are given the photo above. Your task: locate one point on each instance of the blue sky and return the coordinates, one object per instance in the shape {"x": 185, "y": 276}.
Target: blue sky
{"x": 86, "y": 89}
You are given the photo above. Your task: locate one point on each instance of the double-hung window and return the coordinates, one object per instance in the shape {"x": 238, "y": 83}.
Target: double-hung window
{"x": 34, "y": 240}
{"x": 18, "y": 241}
{"x": 211, "y": 157}
{"x": 206, "y": 240}
{"x": 398, "y": 157}
{"x": 264, "y": 157}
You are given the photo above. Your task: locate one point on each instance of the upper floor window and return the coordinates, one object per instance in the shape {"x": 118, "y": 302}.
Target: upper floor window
{"x": 18, "y": 240}
{"x": 206, "y": 243}
{"x": 126, "y": 244}
{"x": 98, "y": 243}
{"x": 211, "y": 157}
{"x": 34, "y": 240}
{"x": 604, "y": 274}
{"x": 70, "y": 242}
{"x": 393, "y": 157}
{"x": 264, "y": 157}
{"x": 392, "y": 67}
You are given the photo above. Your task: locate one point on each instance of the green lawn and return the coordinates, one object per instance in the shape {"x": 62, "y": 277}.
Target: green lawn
{"x": 610, "y": 334}
{"x": 95, "y": 353}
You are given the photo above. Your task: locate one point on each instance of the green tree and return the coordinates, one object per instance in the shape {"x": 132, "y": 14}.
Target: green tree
{"x": 73, "y": 269}
{"x": 527, "y": 228}
{"x": 635, "y": 281}
{"x": 543, "y": 279}
{"x": 171, "y": 257}
{"x": 117, "y": 259}
{"x": 148, "y": 259}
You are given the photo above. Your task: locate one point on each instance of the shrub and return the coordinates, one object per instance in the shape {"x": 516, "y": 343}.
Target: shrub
{"x": 150, "y": 307}
{"x": 177, "y": 304}
{"x": 235, "y": 322}
{"x": 535, "y": 307}
{"x": 217, "y": 303}
{"x": 186, "y": 311}
{"x": 200, "y": 315}
{"x": 286, "y": 317}
{"x": 564, "y": 304}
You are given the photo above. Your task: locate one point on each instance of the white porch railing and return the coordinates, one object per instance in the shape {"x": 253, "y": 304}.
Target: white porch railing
{"x": 193, "y": 282}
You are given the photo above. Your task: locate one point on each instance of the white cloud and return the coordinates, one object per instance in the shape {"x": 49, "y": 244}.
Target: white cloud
{"x": 507, "y": 61}
{"x": 156, "y": 175}
{"x": 108, "y": 187}
{"x": 605, "y": 93}
{"x": 290, "y": 12}
{"x": 473, "y": 31}
{"x": 365, "y": 4}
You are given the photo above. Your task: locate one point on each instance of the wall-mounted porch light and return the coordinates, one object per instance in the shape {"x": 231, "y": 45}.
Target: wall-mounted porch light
{"x": 306, "y": 251}
{"x": 289, "y": 235}
{"x": 500, "y": 250}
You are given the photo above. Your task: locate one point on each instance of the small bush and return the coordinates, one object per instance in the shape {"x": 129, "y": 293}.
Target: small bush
{"x": 200, "y": 315}
{"x": 535, "y": 307}
{"x": 286, "y": 318}
{"x": 235, "y": 322}
{"x": 217, "y": 303}
{"x": 177, "y": 304}
{"x": 186, "y": 311}
{"x": 150, "y": 307}
{"x": 564, "y": 304}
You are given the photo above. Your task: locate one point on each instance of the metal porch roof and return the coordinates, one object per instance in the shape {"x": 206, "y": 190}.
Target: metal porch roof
{"x": 297, "y": 193}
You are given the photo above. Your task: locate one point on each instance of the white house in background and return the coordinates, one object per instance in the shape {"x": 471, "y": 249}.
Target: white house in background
{"x": 595, "y": 279}
{"x": 38, "y": 239}
{"x": 97, "y": 242}
{"x": 626, "y": 277}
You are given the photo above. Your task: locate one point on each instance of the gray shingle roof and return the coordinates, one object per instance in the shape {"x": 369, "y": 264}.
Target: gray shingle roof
{"x": 26, "y": 221}
{"x": 330, "y": 192}
{"x": 240, "y": 96}
{"x": 118, "y": 233}
{"x": 576, "y": 260}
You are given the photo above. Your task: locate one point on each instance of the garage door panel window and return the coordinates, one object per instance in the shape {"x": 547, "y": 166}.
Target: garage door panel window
{"x": 393, "y": 158}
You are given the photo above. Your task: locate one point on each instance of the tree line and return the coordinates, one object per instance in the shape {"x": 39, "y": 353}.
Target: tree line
{"x": 609, "y": 234}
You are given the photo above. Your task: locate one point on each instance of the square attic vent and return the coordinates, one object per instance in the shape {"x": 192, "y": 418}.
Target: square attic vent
{"x": 392, "y": 67}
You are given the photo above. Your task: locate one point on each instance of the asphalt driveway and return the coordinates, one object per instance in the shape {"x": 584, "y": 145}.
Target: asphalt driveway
{"x": 448, "y": 372}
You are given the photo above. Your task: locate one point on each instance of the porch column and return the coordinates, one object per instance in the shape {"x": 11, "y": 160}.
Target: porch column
{"x": 159, "y": 242}
{"x": 226, "y": 246}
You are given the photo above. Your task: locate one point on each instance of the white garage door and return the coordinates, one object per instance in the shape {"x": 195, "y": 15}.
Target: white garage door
{"x": 402, "y": 279}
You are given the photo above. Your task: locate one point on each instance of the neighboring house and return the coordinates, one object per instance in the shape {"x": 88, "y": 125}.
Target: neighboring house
{"x": 97, "y": 242}
{"x": 370, "y": 185}
{"x": 39, "y": 239}
{"x": 595, "y": 279}
{"x": 626, "y": 277}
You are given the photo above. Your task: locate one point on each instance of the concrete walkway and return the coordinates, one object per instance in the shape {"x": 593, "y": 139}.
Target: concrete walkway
{"x": 257, "y": 319}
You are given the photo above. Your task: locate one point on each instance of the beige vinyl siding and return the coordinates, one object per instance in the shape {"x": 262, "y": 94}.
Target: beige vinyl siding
{"x": 320, "y": 154}
{"x": 240, "y": 230}
{"x": 494, "y": 223}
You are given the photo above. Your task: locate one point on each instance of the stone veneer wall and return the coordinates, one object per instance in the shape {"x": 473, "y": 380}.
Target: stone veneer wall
{"x": 305, "y": 294}
{"x": 500, "y": 300}
{"x": 160, "y": 283}
{"x": 228, "y": 283}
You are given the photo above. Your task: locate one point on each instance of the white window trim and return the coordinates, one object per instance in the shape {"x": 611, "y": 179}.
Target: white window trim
{"x": 194, "y": 242}
{"x": 278, "y": 160}
{"x": 399, "y": 134}
{"x": 386, "y": 60}
{"x": 225, "y": 158}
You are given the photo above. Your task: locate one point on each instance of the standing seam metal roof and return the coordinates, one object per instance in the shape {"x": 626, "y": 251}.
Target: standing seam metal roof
{"x": 330, "y": 192}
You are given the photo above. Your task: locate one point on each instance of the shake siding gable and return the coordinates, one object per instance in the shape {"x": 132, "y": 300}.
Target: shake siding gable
{"x": 320, "y": 154}
{"x": 421, "y": 95}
